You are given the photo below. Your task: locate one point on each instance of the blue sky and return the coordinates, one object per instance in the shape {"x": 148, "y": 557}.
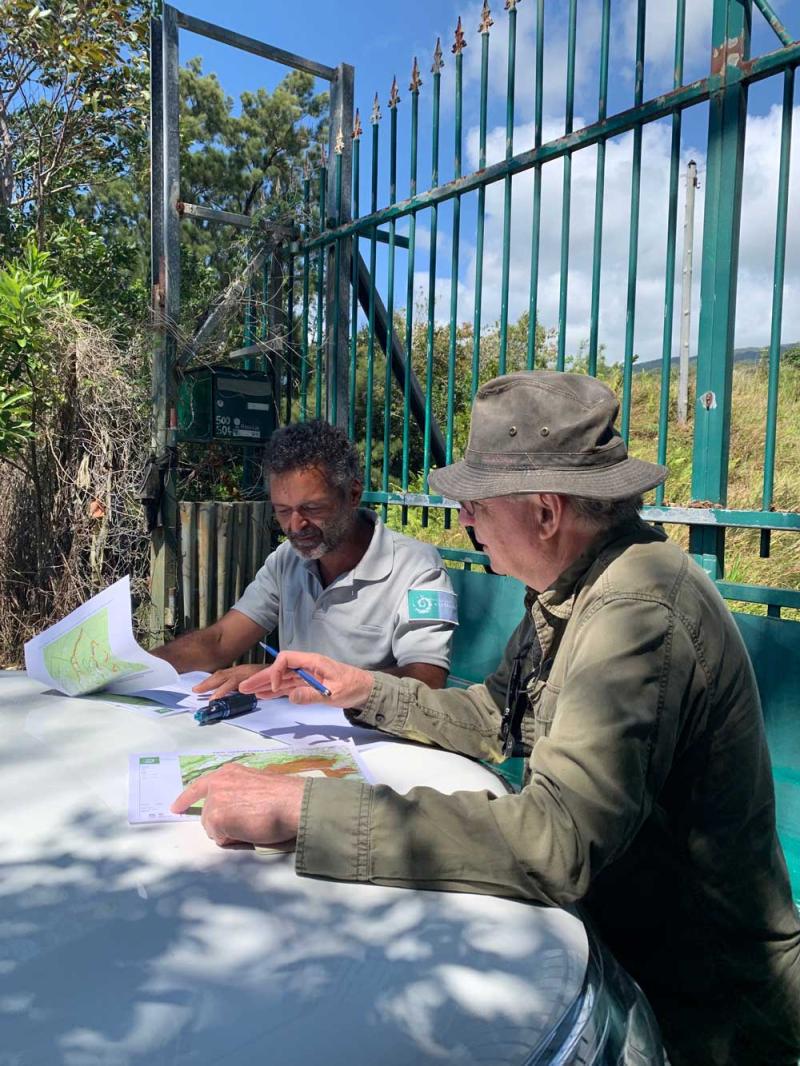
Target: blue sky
{"x": 381, "y": 40}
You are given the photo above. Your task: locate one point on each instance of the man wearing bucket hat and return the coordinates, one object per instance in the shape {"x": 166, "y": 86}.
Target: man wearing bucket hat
{"x": 648, "y": 795}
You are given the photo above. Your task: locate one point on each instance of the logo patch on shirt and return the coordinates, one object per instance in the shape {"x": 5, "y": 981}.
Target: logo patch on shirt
{"x": 432, "y": 605}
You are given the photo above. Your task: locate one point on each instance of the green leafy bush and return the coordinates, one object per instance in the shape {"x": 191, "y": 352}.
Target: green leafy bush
{"x": 30, "y": 296}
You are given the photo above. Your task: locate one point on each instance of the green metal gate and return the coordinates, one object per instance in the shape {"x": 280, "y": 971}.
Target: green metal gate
{"x": 409, "y": 387}
{"x": 400, "y": 377}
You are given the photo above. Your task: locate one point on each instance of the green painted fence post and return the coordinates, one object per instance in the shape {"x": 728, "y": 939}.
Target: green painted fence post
{"x": 726, "y": 133}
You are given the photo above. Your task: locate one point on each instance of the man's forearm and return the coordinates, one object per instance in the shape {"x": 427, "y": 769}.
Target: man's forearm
{"x": 427, "y": 673}
{"x": 461, "y": 720}
{"x": 200, "y": 650}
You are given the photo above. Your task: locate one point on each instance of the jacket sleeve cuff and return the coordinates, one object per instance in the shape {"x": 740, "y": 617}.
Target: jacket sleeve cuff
{"x": 333, "y": 835}
{"x": 386, "y": 707}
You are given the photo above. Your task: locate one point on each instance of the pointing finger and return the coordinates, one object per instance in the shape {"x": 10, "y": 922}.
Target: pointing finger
{"x": 258, "y": 683}
{"x": 198, "y": 789}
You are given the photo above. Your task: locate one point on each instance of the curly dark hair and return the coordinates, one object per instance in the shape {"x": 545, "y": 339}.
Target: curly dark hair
{"x": 314, "y": 444}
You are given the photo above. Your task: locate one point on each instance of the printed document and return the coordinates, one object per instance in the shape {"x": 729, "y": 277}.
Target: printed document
{"x": 94, "y": 648}
{"x": 156, "y": 780}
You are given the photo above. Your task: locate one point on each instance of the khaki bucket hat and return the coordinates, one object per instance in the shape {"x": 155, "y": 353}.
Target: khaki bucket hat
{"x": 545, "y": 431}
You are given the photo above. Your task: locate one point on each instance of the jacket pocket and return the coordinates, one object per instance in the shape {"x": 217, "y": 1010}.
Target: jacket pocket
{"x": 542, "y": 700}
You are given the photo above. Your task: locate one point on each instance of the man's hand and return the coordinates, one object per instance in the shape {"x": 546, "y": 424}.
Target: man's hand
{"x": 349, "y": 686}
{"x": 246, "y": 805}
{"x": 222, "y": 682}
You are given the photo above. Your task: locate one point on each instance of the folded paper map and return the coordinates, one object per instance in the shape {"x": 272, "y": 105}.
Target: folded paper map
{"x": 94, "y": 648}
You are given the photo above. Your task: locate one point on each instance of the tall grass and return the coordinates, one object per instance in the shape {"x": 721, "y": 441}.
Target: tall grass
{"x": 745, "y": 473}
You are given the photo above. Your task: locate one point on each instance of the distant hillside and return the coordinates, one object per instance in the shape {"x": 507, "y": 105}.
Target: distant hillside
{"x": 740, "y": 355}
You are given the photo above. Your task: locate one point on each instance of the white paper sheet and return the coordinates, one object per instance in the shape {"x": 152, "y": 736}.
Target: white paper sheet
{"x": 155, "y": 780}
{"x": 93, "y": 648}
{"x": 160, "y": 702}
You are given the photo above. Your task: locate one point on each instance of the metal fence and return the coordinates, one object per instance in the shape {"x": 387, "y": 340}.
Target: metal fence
{"x": 412, "y": 382}
{"x": 355, "y": 349}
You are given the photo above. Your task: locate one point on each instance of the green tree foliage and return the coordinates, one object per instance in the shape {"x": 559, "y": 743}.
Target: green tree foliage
{"x": 30, "y": 294}
{"x": 73, "y": 135}
{"x": 246, "y": 159}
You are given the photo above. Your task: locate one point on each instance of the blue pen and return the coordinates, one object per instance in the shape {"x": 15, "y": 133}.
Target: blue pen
{"x": 308, "y": 678}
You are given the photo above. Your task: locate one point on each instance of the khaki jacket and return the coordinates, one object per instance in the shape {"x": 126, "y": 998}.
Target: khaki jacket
{"x": 648, "y": 795}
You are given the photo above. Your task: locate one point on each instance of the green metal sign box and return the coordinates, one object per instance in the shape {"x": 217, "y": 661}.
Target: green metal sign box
{"x": 223, "y": 404}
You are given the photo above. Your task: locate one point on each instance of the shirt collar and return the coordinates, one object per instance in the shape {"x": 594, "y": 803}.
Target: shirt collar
{"x": 377, "y": 561}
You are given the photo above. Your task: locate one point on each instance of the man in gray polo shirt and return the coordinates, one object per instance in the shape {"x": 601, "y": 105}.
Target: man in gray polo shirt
{"x": 341, "y": 584}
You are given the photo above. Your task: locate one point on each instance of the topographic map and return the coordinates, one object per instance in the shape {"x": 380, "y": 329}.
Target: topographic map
{"x": 156, "y": 779}
{"x": 82, "y": 660}
{"x": 94, "y": 648}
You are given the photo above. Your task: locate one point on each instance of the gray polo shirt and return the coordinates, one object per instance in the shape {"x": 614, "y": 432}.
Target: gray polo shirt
{"x": 395, "y": 607}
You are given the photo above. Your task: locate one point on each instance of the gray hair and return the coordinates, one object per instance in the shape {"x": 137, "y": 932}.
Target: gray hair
{"x": 605, "y": 514}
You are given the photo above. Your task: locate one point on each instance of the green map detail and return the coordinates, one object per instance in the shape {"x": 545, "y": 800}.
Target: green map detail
{"x": 82, "y": 661}
{"x": 318, "y": 761}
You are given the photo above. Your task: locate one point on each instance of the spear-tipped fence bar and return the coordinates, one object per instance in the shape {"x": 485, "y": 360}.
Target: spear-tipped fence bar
{"x": 485, "y": 25}
{"x": 536, "y": 219}
{"x": 351, "y": 410}
{"x": 458, "y": 49}
{"x": 373, "y": 258}
{"x": 394, "y": 99}
{"x": 566, "y": 194}
{"x": 669, "y": 268}
{"x": 414, "y": 88}
{"x": 436, "y": 70}
{"x": 650, "y": 111}
{"x": 451, "y": 352}
{"x": 633, "y": 238}
{"x": 599, "y": 192}
{"x": 505, "y": 270}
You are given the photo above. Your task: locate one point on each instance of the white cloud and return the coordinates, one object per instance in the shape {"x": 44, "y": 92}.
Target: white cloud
{"x": 756, "y": 243}
{"x": 757, "y": 240}
{"x": 659, "y": 36}
{"x": 555, "y": 59}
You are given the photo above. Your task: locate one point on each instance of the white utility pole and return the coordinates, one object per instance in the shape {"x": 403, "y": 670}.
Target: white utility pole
{"x": 686, "y": 293}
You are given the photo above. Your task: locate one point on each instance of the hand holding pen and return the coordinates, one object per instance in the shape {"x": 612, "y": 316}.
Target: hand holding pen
{"x": 292, "y": 675}
{"x": 308, "y": 678}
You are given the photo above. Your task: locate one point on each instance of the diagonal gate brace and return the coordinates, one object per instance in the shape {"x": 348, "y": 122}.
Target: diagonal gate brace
{"x": 398, "y": 359}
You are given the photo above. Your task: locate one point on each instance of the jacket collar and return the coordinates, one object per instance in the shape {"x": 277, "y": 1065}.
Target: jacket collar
{"x": 558, "y": 599}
